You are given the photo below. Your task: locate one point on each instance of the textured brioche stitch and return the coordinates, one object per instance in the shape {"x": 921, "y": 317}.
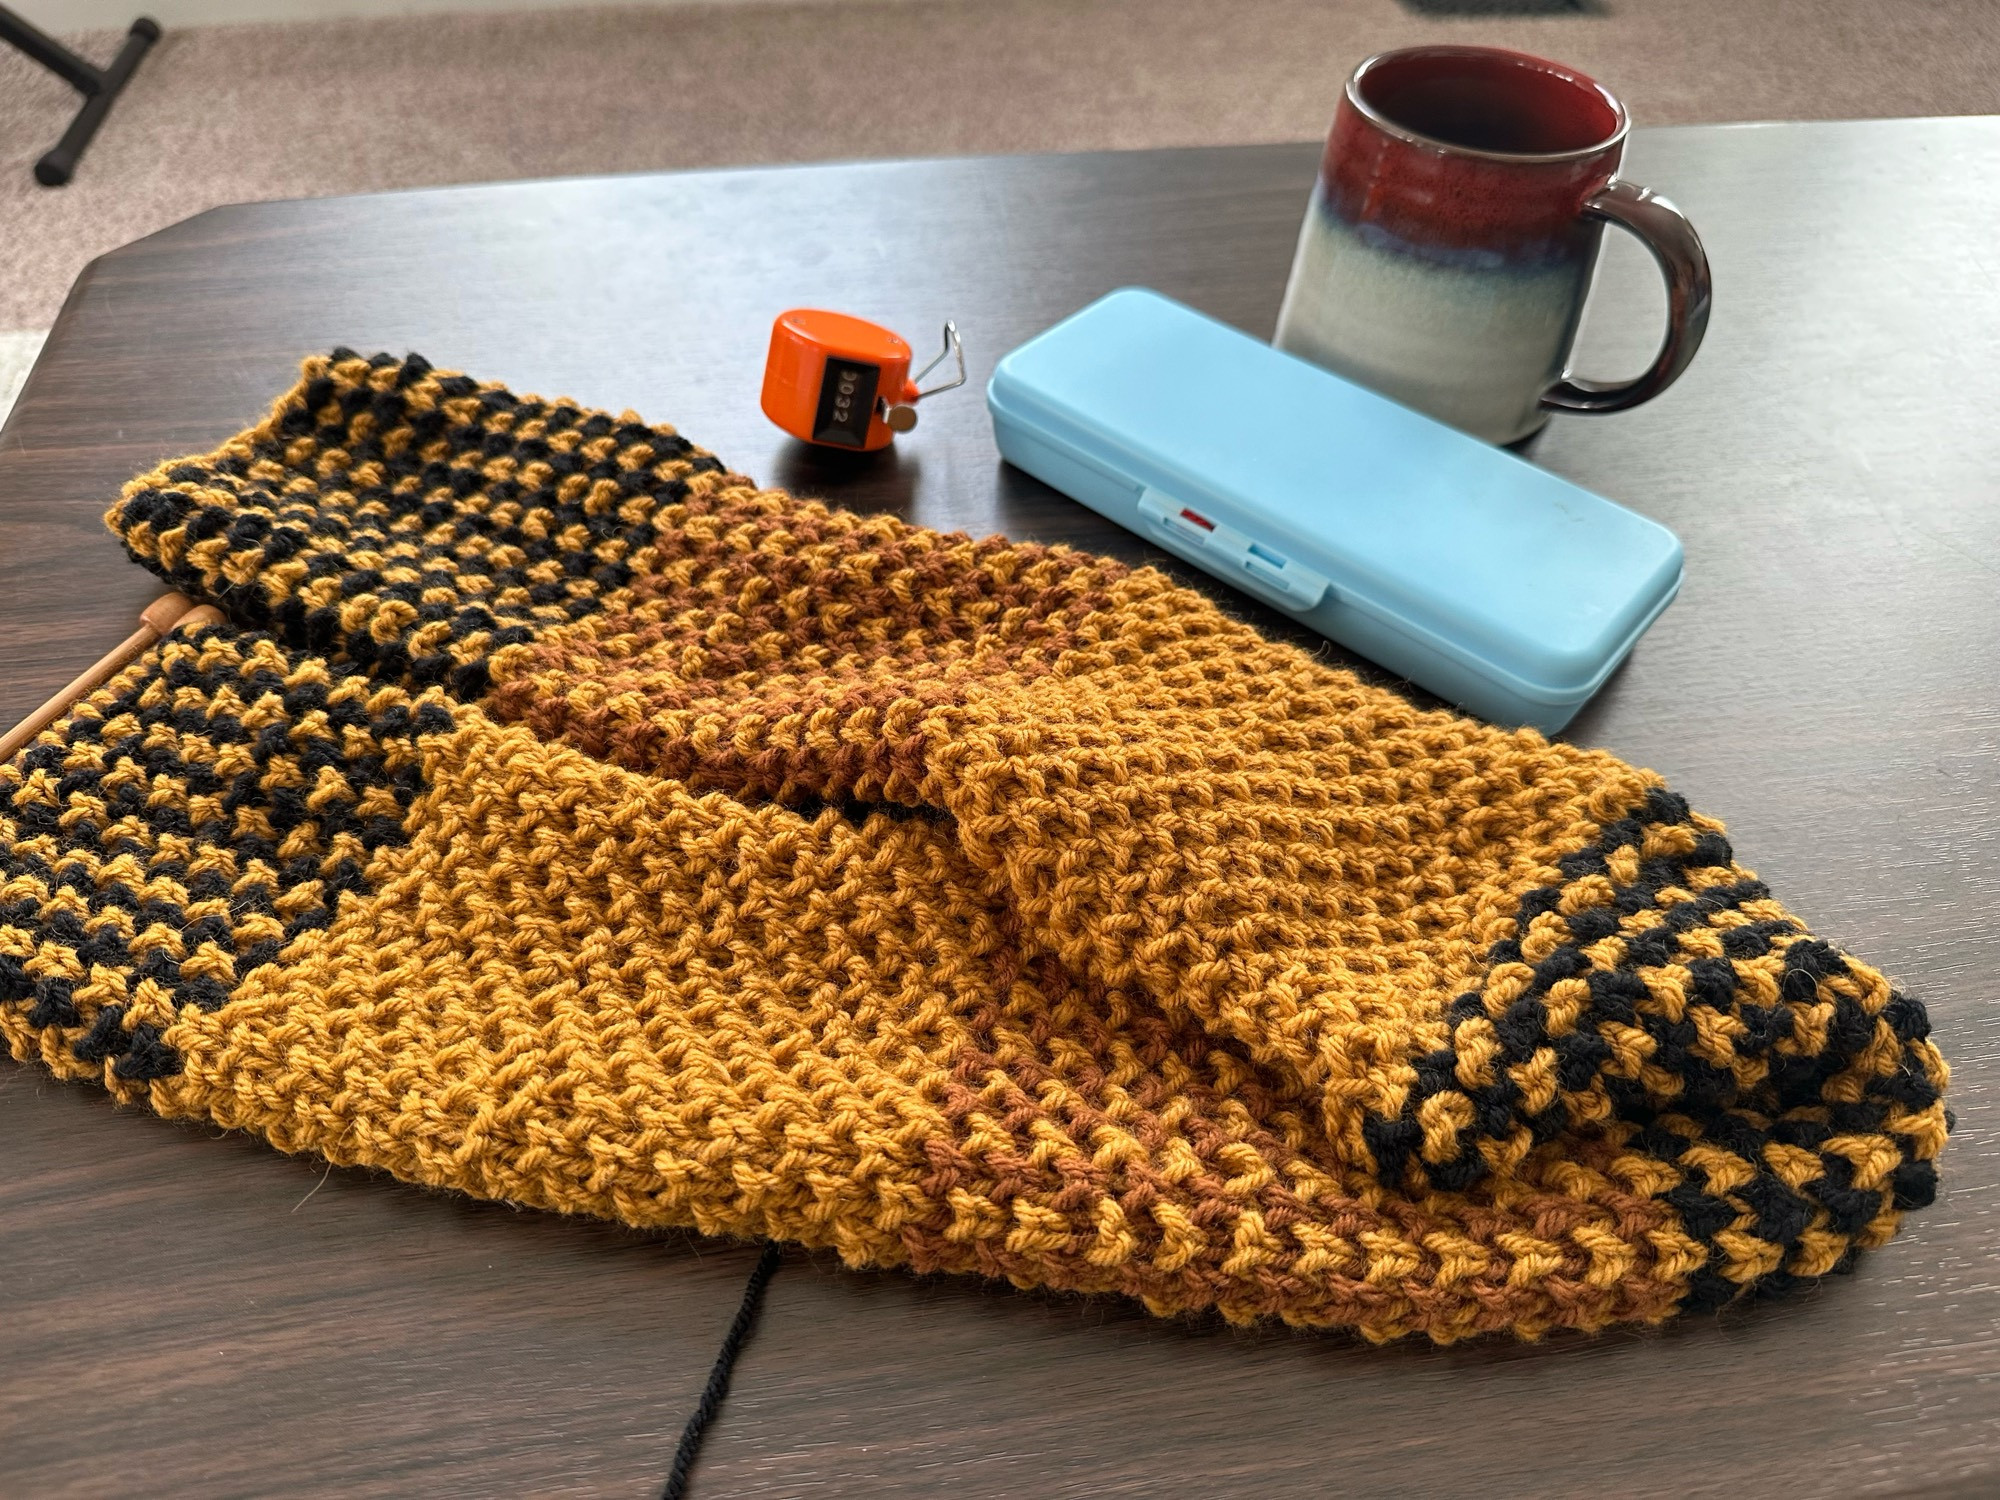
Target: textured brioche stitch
{"x": 566, "y": 820}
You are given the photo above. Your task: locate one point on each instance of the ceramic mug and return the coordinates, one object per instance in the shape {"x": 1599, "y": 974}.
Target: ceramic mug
{"x": 1451, "y": 237}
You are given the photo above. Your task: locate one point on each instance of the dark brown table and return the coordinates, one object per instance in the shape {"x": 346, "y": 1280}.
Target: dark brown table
{"x": 189, "y": 1313}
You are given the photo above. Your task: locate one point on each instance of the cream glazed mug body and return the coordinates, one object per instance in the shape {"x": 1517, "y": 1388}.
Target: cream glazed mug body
{"x": 1449, "y": 243}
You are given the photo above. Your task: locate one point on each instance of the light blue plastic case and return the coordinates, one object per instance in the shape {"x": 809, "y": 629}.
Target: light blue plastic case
{"x": 1493, "y": 583}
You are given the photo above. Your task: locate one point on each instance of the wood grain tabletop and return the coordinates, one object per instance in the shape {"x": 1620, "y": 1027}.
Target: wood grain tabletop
{"x": 190, "y": 1313}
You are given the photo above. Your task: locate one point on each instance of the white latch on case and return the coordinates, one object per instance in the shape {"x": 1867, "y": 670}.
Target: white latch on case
{"x": 1230, "y": 555}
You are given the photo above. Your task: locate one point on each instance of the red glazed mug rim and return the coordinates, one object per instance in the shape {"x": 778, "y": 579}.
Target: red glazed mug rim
{"x": 1380, "y": 121}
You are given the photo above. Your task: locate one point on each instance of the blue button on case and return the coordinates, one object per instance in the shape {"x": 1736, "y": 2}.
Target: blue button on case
{"x": 1493, "y": 583}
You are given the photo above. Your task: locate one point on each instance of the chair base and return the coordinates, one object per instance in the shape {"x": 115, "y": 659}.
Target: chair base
{"x": 99, "y": 86}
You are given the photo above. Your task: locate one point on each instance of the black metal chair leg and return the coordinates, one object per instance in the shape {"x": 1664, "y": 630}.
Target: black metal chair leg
{"x": 99, "y": 86}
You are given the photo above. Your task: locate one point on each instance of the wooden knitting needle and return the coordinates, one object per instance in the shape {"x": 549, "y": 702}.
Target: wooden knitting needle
{"x": 166, "y": 614}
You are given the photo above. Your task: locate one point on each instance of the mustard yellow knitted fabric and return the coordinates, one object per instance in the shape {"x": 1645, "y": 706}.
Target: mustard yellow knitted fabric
{"x": 566, "y": 820}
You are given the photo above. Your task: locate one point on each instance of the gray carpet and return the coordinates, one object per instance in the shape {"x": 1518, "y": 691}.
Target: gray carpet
{"x": 225, "y": 114}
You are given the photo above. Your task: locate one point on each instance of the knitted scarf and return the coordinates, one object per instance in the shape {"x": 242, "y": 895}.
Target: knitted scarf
{"x": 566, "y": 820}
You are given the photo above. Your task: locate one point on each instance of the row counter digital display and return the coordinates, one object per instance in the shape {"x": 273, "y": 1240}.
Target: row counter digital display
{"x": 846, "y": 403}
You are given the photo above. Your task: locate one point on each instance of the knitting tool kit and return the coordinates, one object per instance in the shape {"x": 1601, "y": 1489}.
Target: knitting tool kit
{"x": 844, "y": 382}
{"x": 1494, "y": 584}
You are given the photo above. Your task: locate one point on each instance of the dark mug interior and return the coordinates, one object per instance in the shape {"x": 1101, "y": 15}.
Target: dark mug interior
{"x": 1475, "y": 99}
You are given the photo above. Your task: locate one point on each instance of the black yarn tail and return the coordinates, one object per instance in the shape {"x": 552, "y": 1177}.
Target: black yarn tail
{"x": 718, "y": 1378}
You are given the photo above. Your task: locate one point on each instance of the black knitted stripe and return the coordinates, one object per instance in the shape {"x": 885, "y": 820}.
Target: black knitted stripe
{"x": 181, "y": 825}
{"x": 1811, "y": 1034}
{"x": 412, "y": 522}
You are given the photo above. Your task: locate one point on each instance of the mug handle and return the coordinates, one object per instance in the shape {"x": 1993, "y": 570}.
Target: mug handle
{"x": 1664, "y": 230}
